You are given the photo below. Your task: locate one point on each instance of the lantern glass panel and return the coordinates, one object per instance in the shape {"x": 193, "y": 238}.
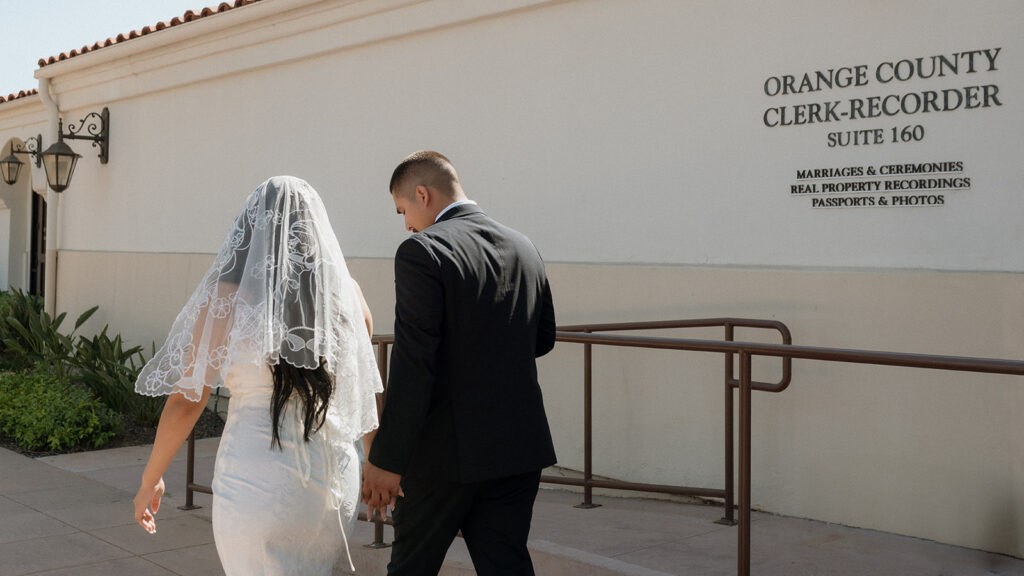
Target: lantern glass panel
{"x": 10, "y": 168}
{"x": 59, "y": 161}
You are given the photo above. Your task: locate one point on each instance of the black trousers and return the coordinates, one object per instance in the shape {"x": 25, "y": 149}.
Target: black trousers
{"x": 494, "y": 516}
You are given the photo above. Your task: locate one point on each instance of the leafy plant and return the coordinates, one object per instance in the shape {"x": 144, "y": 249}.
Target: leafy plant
{"x": 102, "y": 367}
{"x": 18, "y": 306}
{"x": 107, "y": 368}
{"x": 38, "y": 339}
{"x": 17, "y": 303}
{"x": 38, "y": 412}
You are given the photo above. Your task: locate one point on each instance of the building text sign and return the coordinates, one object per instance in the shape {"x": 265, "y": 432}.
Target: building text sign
{"x": 921, "y": 184}
{"x": 957, "y": 81}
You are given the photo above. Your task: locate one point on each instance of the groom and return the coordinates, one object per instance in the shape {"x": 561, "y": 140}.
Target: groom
{"x": 463, "y": 436}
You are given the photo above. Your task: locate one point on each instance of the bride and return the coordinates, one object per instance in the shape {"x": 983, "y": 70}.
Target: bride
{"x": 279, "y": 321}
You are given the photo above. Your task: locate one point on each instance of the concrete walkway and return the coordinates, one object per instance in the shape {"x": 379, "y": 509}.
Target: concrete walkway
{"x": 72, "y": 515}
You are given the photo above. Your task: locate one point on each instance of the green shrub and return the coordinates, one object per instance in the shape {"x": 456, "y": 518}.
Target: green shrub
{"x": 109, "y": 370}
{"x": 18, "y": 304}
{"x": 39, "y": 412}
{"x": 31, "y": 340}
{"x": 37, "y": 339}
{"x": 16, "y": 307}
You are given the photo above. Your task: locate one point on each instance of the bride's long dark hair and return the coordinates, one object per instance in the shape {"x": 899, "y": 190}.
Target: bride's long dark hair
{"x": 312, "y": 387}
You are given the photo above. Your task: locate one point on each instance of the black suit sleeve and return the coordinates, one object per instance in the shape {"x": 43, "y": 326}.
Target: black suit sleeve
{"x": 546, "y": 328}
{"x": 419, "y": 313}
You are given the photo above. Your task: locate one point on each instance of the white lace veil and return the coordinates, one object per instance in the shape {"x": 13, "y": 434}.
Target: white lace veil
{"x": 279, "y": 290}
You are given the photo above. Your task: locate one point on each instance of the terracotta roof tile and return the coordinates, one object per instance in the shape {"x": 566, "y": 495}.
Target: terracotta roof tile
{"x": 176, "y": 21}
{"x": 20, "y": 94}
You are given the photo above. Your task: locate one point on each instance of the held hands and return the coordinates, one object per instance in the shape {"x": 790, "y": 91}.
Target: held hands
{"x": 380, "y": 490}
{"x": 147, "y": 503}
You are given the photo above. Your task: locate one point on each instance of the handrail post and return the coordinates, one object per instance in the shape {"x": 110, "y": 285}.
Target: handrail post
{"x": 378, "y": 534}
{"x": 729, "y": 519}
{"x": 382, "y": 367}
{"x": 190, "y": 473}
{"x": 743, "y": 569}
{"x": 588, "y": 448}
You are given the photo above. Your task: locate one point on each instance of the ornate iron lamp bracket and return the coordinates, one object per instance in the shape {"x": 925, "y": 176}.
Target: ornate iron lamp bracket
{"x": 32, "y": 145}
{"x": 97, "y": 127}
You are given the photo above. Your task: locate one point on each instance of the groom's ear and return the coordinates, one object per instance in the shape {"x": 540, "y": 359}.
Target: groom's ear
{"x": 423, "y": 195}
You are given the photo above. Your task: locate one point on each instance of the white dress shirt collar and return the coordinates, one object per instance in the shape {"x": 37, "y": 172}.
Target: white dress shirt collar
{"x": 453, "y": 205}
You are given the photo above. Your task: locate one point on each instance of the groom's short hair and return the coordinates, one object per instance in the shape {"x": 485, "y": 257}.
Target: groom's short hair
{"x": 426, "y": 168}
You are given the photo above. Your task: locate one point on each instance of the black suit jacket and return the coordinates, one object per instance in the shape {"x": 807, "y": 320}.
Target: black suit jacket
{"x": 473, "y": 312}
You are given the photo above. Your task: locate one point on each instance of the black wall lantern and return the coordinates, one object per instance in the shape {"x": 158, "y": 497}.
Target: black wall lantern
{"x": 59, "y": 160}
{"x": 10, "y": 166}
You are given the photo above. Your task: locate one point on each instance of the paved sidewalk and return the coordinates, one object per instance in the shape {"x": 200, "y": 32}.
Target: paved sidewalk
{"x": 72, "y": 515}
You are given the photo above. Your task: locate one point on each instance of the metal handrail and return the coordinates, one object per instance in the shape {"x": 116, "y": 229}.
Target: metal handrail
{"x": 727, "y": 492}
{"x": 747, "y": 350}
{"x": 730, "y": 324}
{"x": 855, "y": 356}
{"x": 744, "y": 383}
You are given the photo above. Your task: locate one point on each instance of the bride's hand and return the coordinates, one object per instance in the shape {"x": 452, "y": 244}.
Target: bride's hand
{"x": 381, "y": 489}
{"x": 147, "y": 503}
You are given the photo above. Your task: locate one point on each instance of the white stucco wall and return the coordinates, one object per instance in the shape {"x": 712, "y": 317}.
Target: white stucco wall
{"x": 638, "y": 125}
{"x": 627, "y": 140}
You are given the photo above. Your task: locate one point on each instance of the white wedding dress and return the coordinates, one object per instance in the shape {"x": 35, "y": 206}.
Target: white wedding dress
{"x": 272, "y": 509}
